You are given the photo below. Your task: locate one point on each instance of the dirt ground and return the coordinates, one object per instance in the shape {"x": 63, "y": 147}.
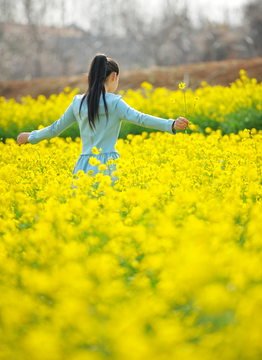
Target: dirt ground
{"x": 215, "y": 73}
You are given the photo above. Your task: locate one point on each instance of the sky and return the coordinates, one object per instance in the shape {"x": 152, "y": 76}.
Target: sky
{"x": 215, "y": 9}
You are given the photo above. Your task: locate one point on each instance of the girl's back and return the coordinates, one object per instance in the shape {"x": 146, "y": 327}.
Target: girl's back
{"x": 106, "y": 133}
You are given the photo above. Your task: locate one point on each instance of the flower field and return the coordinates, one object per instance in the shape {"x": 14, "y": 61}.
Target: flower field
{"x": 229, "y": 109}
{"x": 163, "y": 264}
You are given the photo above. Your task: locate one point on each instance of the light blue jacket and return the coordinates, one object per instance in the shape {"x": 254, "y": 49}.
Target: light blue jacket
{"x": 105, "y": 135}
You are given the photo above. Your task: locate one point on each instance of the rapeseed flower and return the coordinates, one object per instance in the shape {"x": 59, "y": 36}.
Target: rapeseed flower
{"x": 94, "y": 161}
{"x": 102, "y": 167}
{"x": 95, "y": 151}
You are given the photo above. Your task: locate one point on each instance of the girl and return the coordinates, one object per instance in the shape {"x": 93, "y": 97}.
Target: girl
{"x": 99, "y": 114}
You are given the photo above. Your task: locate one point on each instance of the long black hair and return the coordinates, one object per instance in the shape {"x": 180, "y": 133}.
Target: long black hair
{"x": 100, "y": 68}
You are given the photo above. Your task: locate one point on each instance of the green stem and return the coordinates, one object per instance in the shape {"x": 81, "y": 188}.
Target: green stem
{"x": 180, "y": 105}
{"x": 35, "y": 150}
{"x": 108, "y": 166}
{"x": 185, "y": 101}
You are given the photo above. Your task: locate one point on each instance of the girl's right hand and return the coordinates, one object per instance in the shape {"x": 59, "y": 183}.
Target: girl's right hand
{"x": 180, "y": 124}
{"x": 22, "y": 138}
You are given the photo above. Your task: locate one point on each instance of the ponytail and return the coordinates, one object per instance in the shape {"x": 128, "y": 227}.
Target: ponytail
{"x": 101, "y": 67}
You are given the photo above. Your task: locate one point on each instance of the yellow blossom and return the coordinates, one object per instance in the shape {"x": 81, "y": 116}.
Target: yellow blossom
{"x": 102, "y": 167}
{"x": 95, "y": 151}
{"x": 94, "y": 161}
{"x": 182, "y": 85}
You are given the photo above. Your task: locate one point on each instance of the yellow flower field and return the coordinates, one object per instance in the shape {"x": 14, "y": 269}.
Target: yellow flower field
{"x": 163, "y": 264}
{"x": 229, "y": 109}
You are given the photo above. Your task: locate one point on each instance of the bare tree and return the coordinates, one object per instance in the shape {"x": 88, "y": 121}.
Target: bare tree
{"x": 8, "y": 11}
{"x": 253, "y": 19}
{"x": 35, "y": 13}
{"x": 164, "y": 37}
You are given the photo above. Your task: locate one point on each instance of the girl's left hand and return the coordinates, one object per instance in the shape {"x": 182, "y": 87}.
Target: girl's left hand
{"x": 181, "y": 123}
{"x": 22, "y": 138}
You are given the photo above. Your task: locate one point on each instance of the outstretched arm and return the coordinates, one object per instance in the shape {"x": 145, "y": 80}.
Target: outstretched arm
{"x": 129, "y": 114}
{"x": 66, "y": 120}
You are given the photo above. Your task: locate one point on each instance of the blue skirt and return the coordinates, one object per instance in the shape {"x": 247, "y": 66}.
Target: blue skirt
{"x": 83, "y": 164}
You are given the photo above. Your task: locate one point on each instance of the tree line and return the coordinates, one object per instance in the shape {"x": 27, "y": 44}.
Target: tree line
{"x": 33, "y": 45}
